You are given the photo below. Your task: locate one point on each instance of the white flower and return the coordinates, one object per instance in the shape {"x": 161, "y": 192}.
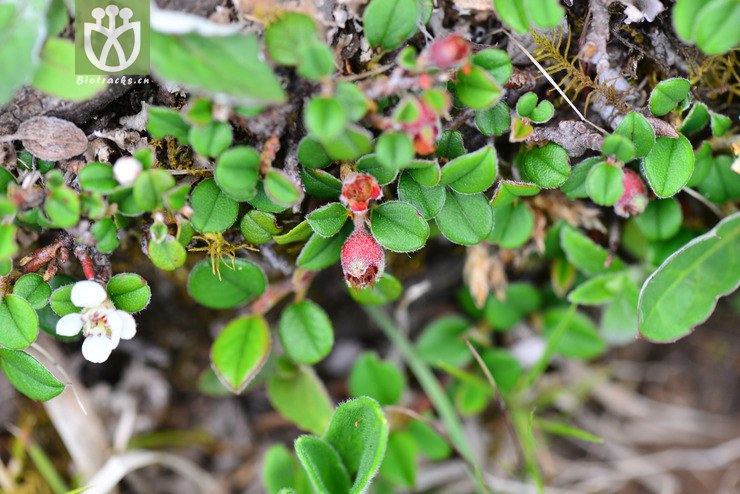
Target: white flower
{"x": 126, "y": 170}
{"x": 102, "y": 325}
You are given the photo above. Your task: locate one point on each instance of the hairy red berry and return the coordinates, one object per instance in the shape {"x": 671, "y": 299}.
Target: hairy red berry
{"x": 448, "y": 53}
{"x": 634, "y": 198}
{"x": 363, "y": 259}
{"x": 358, "y": 190}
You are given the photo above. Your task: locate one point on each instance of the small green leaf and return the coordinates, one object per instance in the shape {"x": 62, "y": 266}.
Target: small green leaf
{"x": 129, "y": 292}
{"x": 231, "y": 67}
{"x": 496, "y": 62}
{"x": 398, "y": 226}
{"x": 312, "y": 154}
{"x": 19, "y": 322}
{"x": 667, "y": 95}
{"x": 23, "y": 36}
{"x": 476, "y": 88}
{"x": 637, "y": 129}
{"x": 358, "y": 431}
{"x": 386, "y": 290}
{"x": 400, "y": 462}
{"x": 526, "y": 103}
{"x": 716, "y": 27}
{"x": 211, "y": 139}
{"x": 169, "y": 254}
{"x": 298, "y": 234}
{"x": 508, "y": 191}
{"x": 317, "y": 60}
{"x": 428, "y": 200}
{"x": 685, "y": 13}
{"x": 585, "y": 254}
{"x": 150, "y": 187}
{"x": 237, "y": 284}
{"x": 34, "y": 289}
{"x": 598, "y": 290}
{"x": 545, "y": 13}
{"x": 320, "y": 252}
{"x": 287, "y": 34}
{"x": 97, "y": 177}
{"x": 604, "y": 184}
{"x": 442, "y": 341}
{"x": 512, "y": 225}
{"x": 263, "y": 202}
{"x": 548, "y": 166}
{"x": 720, "y": 124}
{"x": 56, "y": 74}
{"x": 28, "y": 376}
{"x": 465, "y": 219}
{"x": 684, "y": 290}
{"x": 61, "y": 302}
{"x": 669, "y": 165}
{"x": 697, "y": 119}
{"x": 240, "y": 351}
{"x": 325, "y": 118}
{"x": 106, "y": 235}
{"x": 349, "y": 145}
{"x": 388, "y": 23}
{"x": 580, "y": 340}
{"x": 471, "y": 173}
{"x": 281, "y": 189}
{"x": 543, "y": 112}
{"x": 370, "y": 164}
{"x": 425, "y": 172}
{"x": 281, "y": 469}
{"x": 299, "y": 395}
{"x": 450, "y": 145}
{"x": 520, "y": 300}
{"x": 306, "y": 332}
{"x": 494, "y": 121}
{"x": 394, "y": 150}
{"x": 323, "y": 465}
{"x": 62, "y": 206}
{"x": 353, "y": 99}
{"x": 513, "y": 13}
{"x": 380, "y": 380}
{"x": 321, "y": 184}
{"x": 165, "y": 122}
{"x": 328, "y": 220}
{"x": 661, "y": 219}
{"x": 618, "y": 146}
{"x": 213, "y": 210}
{"x": 237, "y": 171}
{"x": 721, "y": 183}
{"x": 258, "y": 227}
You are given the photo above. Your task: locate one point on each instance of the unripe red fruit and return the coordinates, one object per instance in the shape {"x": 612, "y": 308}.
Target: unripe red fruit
{"x": 634, "y": 198}
{"x": 448, "y": 53}
{"x": 363, "y": 259}
{"x": 358, "y": 190}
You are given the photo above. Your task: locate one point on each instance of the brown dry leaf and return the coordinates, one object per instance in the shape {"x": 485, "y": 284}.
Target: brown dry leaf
{"x": 51, "y": 138}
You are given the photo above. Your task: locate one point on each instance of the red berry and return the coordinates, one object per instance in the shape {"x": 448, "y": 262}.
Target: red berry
{"x": 363, "y": 259}
{"x": 634, "y": 198}
{"x": 448, "y": 53}
{"x": 358, "y": 190}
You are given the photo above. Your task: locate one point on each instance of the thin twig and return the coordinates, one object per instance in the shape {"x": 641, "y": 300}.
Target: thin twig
{"x": 711, "y": 206}
{"x": 554, "y": 84}
{"x": 501, "y": 403}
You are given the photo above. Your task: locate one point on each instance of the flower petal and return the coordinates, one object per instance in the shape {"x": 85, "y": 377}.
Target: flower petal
{"x": 113, "y": 320}
{"x": 88, "y": 294}
{"x": 69, "y": 325}
{"x": 128, "y": 329}
{"x": 97, "y": 348}
{"x": 115, "y": 336}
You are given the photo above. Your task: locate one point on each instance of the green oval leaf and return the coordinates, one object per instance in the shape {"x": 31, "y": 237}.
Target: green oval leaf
{"x": 281, "y": 189}
{"x": 388, "y": 23}
{"x": 325, "y": 118}
{"x": 129, "y": 292}
{"x": 377, "y": 379}
{"x": 97, "y": 177}
{"x": 289, "y": 32}
{"x": 465, "y": 219}
{"x": 169, "y": 254}
{"x": 471, "y": 173}
{"x": 238, "y": 284}
{"x": 28, "y": 376}
{"x": 669, "y": 165}
{"x": 306, "y": 332}
{"x": 716, "y": 27}
{"x": 34, "y": 289}
{"x": 661, "y": 219}
{"x": 667, "y": 95}
{"x": 150, "y": 187}
{"x": 512, "y": 225}
{"x": 320, "y": 252}
{"x": 588, "y": 257}
{"x": 387, "y": 289}
{"x": 476, "y": 88}
{"x": 394, "y": 150}
{"x": 328, "y": 220}
{"x": 237, "y": 171}
{"x": 213, "y": 210}
{"x": 428, "y": 200}
{"x": 240, "y": 351}
{"x": 604, "y": 184}
{"x": 637, "y": 129}
{"x": 258, "y": 227}
{"x": 323, "y": 465}
{"x": 19, "y": 323}
{"x": 548, "y": 166}
{"x": 683, "y": 291}
{"x": 211, "y": 139}
{"x": 399, "y": 226}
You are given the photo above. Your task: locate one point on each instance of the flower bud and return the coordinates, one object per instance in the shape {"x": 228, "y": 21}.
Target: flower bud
{"x": 448, "y": 53}
{"x": 363, "y": 259}
{"x": 126, "y": 170}
{"x": 634, "y": 198}
{"x": 358, "y": 190}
